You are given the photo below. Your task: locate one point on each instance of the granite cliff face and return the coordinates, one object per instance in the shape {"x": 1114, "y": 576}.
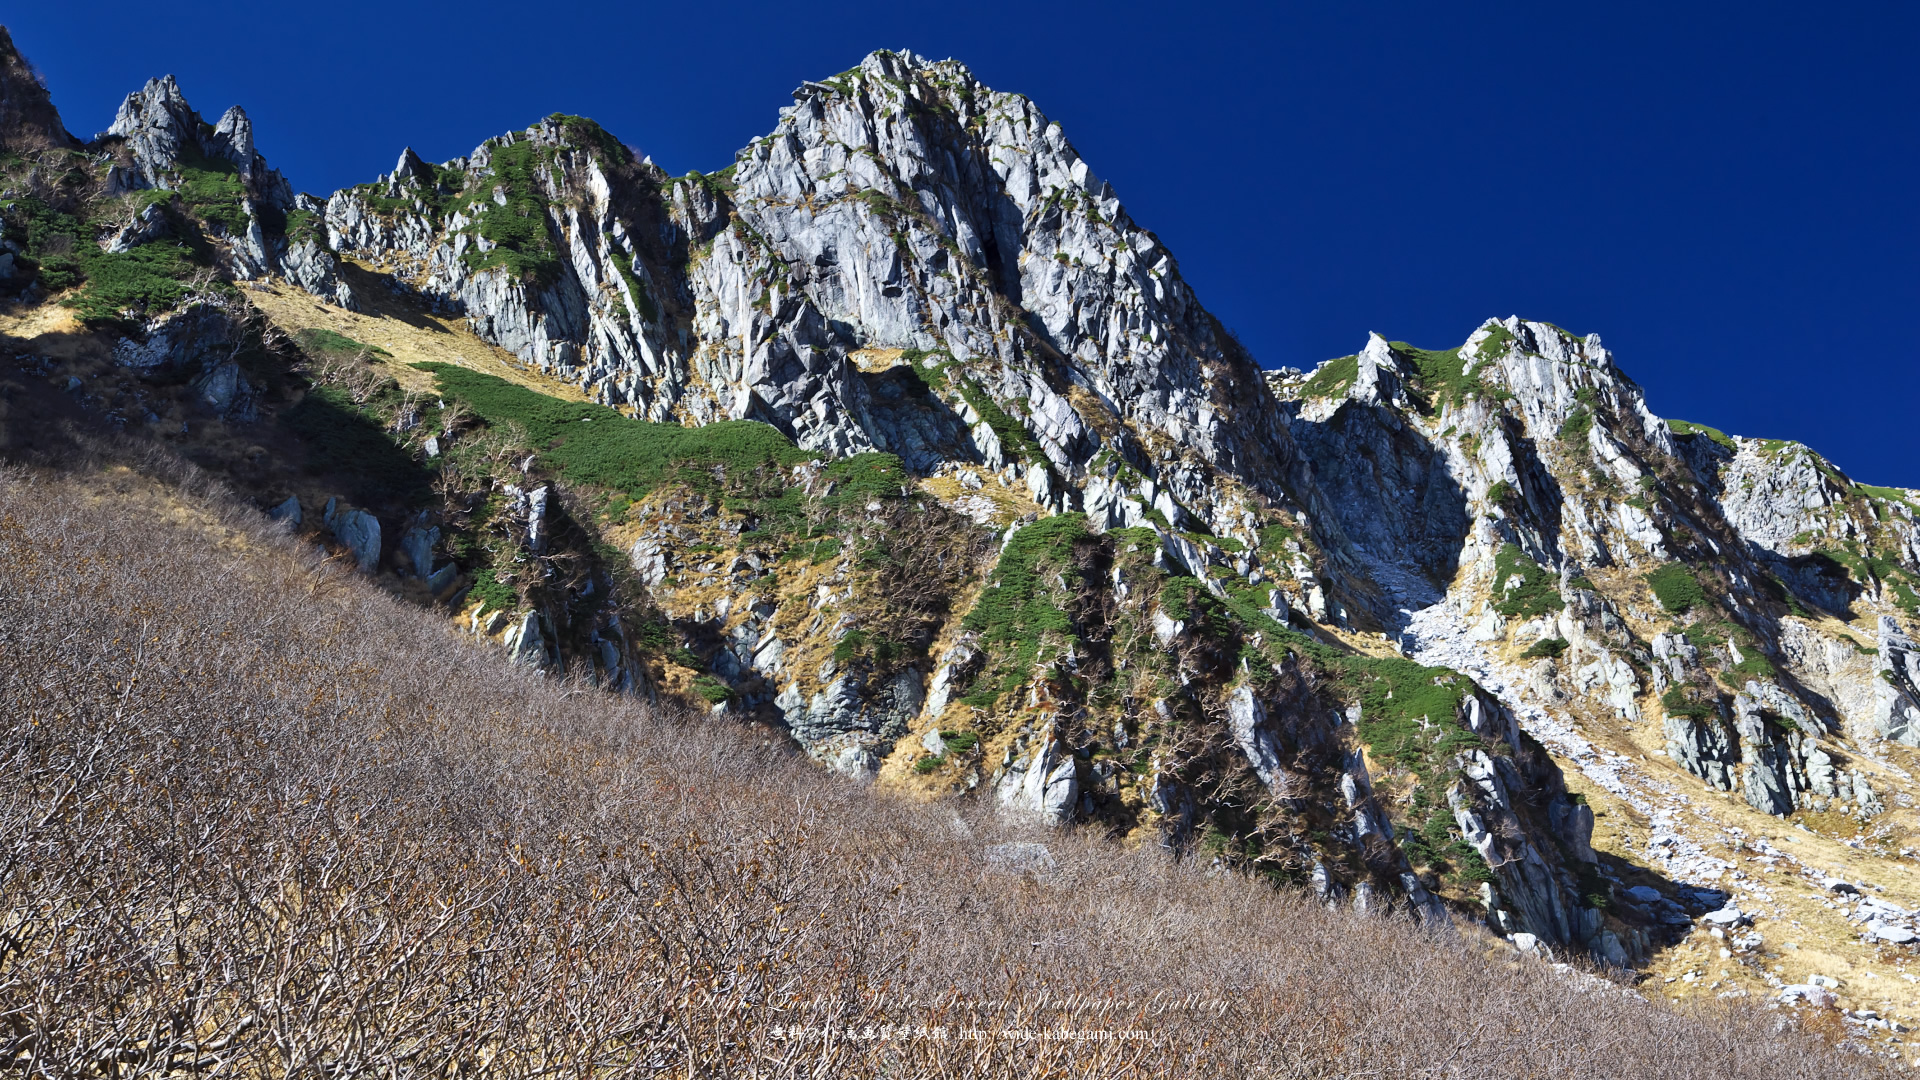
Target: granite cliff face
{"x": 1520, "y": 484}
{"x": 902, "y": 220}
{"x": 900, "y": 437}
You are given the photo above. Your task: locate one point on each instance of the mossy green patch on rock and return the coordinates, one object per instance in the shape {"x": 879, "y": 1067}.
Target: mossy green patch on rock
{"x": 1522, "y": 589}
{"x": 587, "y": 134}
{"x": 1409, "y": 713}
{"x": 1676, "y": 588}
{"x": 1682, "y": 427}
{"x": 61, "y": 249}
{"x": 305, "y": 227}
{"x": 863, "y": 478}
{"x": 1443, "y": 373}
{"x": 1576, "y": 426}
{"x": 1753, "y": 666}
{"x": 1013, "y": 437}
{"x": 331, "y": 344}
{"x": 210, "y": 189}
{"x": 1683, "y": 700}
{"x": 1332, "y": 378}
{"x": 1498, "y": 343}
{"x": 146, "y": 280}
{"x": 1020, "y": 613}
{"x": 593, "y": 444}
{"x": 1886, "y": 494}
{"x": 518, "y": 228}
{"x": 1550, "y": 648}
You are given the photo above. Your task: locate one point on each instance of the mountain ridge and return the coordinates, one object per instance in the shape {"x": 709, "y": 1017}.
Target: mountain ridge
{"x": 1216, "y": 589}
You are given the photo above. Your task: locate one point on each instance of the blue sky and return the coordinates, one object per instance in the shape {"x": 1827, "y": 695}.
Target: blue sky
{"x": 1726, "y": 193}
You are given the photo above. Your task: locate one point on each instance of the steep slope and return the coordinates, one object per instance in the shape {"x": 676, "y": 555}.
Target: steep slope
{"x": 262, "y": 819}
{"x": 28, "y": 120}
{"x": 901, "y": 439}
{"x": 1125, "y": 660}
{"x": 915, "y": 265}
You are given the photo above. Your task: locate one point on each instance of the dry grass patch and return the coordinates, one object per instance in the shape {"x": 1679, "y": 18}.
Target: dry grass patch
{"x": 263, "y": 819}
{"x": 409, "y": 336}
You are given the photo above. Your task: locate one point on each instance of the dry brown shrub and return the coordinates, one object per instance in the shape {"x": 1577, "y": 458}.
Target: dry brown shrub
{"x": 259, "y": 818}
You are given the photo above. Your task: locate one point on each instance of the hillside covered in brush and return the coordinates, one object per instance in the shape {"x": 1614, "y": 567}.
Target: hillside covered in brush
{"x": 898, "y": 442}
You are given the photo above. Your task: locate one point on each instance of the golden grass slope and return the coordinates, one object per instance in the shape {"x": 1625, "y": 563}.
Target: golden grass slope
{"x": 408, "y": 333}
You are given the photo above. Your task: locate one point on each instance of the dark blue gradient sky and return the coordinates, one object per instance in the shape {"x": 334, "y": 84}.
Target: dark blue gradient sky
{"x": 1726, "y": 193}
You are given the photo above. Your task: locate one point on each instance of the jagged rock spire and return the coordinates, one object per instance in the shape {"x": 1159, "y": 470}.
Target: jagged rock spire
{"x": 412, "y": 166}
{"x": 163, "y": 133}
{"x": 234, "y": 134}
{"x": 158, "y": 126}
{"x": 1378, "y": 378}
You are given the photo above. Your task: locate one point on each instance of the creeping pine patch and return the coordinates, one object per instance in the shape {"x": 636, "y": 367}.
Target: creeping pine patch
{"x": 1020, "y": 609}
{"x": 1676, "y": 588}
{"x": 1521, "y": 587}
{"x": 592, "y": 444}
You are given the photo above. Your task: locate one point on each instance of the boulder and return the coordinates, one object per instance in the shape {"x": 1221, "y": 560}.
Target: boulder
{"x": 417, "y": 543}
{"x": 1246, "y": 718}
{"x": 1892, "y": 935}
{"x": 1045, "y": 785}
{"x": 1817, "y": 996}
{"x": 195, "y": 336}
{"x": 226, "y": 392}
{"x": 358, "y": 531}
{"x": 309, "y": 264}
{"x": 957, "y": 667}
{"x": 1572, "y": 822}
{"x": 525, "y": 642}
{"x": 148, "y": 225}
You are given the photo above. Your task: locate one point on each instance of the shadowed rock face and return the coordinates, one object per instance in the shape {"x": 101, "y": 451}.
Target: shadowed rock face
{"x": 1554, "y": 457}
{"x": 1388, "y": 483}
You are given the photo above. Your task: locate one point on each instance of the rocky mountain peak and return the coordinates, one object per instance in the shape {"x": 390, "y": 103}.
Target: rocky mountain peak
{"x": 900, "y": 206}
{"x": 164, "y": 135}
{"x": 411, "y": 167}
{"x": 1378, "y": 374}
{"x": 158, "y": 126}
{"x": 233, "y": 140}
{"x": 945, "y": 326}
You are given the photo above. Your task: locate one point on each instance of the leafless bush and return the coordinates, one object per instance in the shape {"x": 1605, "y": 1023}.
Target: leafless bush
{"x": 914, "y": 557}
{"x": 357, "y": 376}
{"x": 250, "y": 826}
